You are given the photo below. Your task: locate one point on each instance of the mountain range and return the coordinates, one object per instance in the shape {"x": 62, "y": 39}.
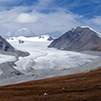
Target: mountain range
{"x": 8, "y": 49}
{"x": 20, "y": 32}
{"x": 78, "y": 38}
{"x": 5, "y": 46}
{"x": 39, "y": 61}
{"x": 38, "y": 38}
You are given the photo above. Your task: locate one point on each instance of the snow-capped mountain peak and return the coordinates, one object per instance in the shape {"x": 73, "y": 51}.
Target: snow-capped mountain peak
{"x": 23, "y": 29}
{"x": 39, "y": 38}
{"x": 97, "y": 33}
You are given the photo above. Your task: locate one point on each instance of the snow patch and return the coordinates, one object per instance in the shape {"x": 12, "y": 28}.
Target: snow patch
{"x": 6, "y": 58}
{"x": 79, "y": 33}
{"x": 74, "y": 29}
{"x": 62, "y": 48}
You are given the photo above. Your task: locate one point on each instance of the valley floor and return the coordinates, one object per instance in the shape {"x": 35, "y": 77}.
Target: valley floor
{"x": 77, "y": 87}
{"x": 44, "y": 63}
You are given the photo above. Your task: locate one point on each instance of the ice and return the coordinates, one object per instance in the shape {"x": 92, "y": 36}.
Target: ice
{"x": 42, "y": 57}
{"x": 6, "y": 58}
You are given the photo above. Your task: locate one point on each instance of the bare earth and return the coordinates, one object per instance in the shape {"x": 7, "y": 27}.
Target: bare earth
{"x": 77, "y": 87}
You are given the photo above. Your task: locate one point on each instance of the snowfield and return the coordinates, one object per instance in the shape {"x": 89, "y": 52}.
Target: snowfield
{"x": 43, "y": 58}
{"x": 6, "y": 58}
{"x": 36, "y": 39}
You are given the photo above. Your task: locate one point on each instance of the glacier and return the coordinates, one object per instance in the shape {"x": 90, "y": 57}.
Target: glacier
{"x": 6, "y": 58}
{"x": 43, "y": 58}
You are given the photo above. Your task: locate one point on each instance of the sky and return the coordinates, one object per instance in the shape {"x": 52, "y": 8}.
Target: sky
{"x": 54, "y": 17}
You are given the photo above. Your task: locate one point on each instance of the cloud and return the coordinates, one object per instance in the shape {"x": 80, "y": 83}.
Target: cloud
{"x": 26, "y": 18}
{"x": 96, "y": 20}
{"x": 35, "y": 18}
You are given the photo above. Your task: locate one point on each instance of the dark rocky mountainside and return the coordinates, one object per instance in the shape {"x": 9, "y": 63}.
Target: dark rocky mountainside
{"x": 50, "y": 38}
{"x": 79, "y": 38}
{"x": 6, "y": 48}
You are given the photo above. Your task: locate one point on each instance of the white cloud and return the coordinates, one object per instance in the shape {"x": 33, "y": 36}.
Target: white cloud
{"x": 96, "y": 20}
{"x": 40, "y": 23}
{"x": 26, "y": 18}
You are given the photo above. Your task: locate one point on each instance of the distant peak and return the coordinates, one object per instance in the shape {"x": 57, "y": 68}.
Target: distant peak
{"x": 81, "y": 27}
{"x": 22, "y": 29}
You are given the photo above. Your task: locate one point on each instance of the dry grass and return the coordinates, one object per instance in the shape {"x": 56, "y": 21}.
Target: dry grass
{"x": 99, "y": 49}
{"x": 78, "y": 87}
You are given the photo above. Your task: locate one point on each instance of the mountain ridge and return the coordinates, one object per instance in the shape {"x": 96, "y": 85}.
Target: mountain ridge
{"x": 38, "y": 38}
{"x": 7, "y": 49}
{"x": 78, "y": 38}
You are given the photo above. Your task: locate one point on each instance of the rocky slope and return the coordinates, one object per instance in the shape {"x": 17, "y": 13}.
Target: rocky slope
{"x": 8, "y": 49}
{"x": 5, "y": 46}
{"x": 79, "y": 38}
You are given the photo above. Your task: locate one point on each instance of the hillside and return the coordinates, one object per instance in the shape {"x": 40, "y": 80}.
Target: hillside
{"x": 5, "y": 46}
{"x": 78, "y": 87}
{"x": 79, "y": 38}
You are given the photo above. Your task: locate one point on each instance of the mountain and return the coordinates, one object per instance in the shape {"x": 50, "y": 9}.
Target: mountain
{"x": 46, "y": 37}
{"x": 5, "y": 46}
{"x": 7, "y": 49}
{"x": 39, "y": 38}
{"x": 21, "y": 32}
{"x": 54, "y": 34}
{"x": 79, "y": 38}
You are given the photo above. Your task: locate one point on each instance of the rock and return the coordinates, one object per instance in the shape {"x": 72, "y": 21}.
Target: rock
{"x": 21, "y": 41}
{"x": 77, "y": 92}
{"x": 39, "y": 94}
{"x": 68, "y": 96}
{"x": 63, "y": 88}
{"x": 69, "y": 87}
{"x": 50, "y": 38}
{"x": 45, "y": 94}
{"x": 79, "y": 38}
{"x": 5, "y": 46}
